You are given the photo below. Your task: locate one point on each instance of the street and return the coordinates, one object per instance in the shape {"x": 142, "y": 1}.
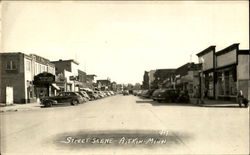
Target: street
{"x": 187, "y": 129}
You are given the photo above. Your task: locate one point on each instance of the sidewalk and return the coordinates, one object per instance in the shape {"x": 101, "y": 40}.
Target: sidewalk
{"x": 214, "y": 103}
{"x": 19, "y": 107}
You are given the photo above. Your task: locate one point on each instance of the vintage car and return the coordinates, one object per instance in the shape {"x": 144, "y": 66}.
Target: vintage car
{"x": 147, "y": 93}
{"x": 183, "y": 97}
{"x": 125, "y": 92}
{"x": 111, "y": 93}
{"x": 62, "y": 98}
{"x": 85, "y": 95}
{"x": 168, "y": 95}
{"x": 98, "y": 94}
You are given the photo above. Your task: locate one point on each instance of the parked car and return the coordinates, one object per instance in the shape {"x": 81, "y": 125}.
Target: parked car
{"x": 97, "y": 94}
{"x": 147, "y": 93}
{"x": 92, "y": 95}
{"x": 183, "y": 97}
{"x": 111, "y": 93}
{"x": 85, "y": 99}
{"x": 85, "y": 95}
{"x": 144, "y": 93}
{"x": 102, "y": 94}
{"x": 139, "y": 93}
{"x": 107, "y": 93}
{"x": 63, "y": 97}
{"x": 135, "y": 92}
{"x": 125, "y": 92}
{"x": 168, "y": 95}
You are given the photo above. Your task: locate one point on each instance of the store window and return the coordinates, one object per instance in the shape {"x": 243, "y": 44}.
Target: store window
{"x": 39, "y": 68}
{"x": 28, "y": 65}
{"x": 211, "y": 85}
{"x": 220, "y": 83}
{"x": 227, "y": 84}
{"x": 232, "y": 84}
{"x": 11, "y": 65}
{"x": 36, "y": 69}
{"x": 43, "y": 68}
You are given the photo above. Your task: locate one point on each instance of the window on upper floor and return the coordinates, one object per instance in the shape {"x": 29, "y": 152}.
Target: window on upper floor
{"x": 43, "y": 68}
{"x": 39, "y": 68}
{"x": 11, "y": 65}
{"x": 28, "y": 65}
{"x": 36, "y": 68}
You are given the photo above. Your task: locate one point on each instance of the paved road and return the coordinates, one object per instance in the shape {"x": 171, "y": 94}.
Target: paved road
{"x": 120, "y": 122}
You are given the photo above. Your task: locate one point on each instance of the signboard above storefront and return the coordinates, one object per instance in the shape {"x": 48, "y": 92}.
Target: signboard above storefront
{"x": 44, "y": 78}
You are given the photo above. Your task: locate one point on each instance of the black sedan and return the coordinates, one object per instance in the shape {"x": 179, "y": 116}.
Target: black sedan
{"x": 62, "y": 98}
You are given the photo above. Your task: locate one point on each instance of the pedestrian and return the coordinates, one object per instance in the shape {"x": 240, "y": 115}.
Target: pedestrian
{"x": 241, "y": 99}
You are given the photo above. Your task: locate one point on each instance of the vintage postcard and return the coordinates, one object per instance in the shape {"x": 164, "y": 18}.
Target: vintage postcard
{"x": 124, "y": 77}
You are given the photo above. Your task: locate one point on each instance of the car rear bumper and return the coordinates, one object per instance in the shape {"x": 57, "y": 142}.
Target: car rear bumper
{"x": 158, "y": 98}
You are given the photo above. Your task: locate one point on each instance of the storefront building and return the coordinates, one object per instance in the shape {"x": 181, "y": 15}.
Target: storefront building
{"x": 187, "y": 78}
{"x": 232, "y": 70}
{"x": 207, "y": 72}
{"x": 45, "y": 85}
{"x": 67, "y": 73}
{"x": 17, "y": 76}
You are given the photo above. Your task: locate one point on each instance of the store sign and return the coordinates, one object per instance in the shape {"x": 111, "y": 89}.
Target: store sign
{"x": 227, "y": 58}
{"x": 71, "y": 78}
{"x": 44, "y": 78}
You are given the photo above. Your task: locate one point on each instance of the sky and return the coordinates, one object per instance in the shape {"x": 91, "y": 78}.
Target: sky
{"x": 122, "y": 39}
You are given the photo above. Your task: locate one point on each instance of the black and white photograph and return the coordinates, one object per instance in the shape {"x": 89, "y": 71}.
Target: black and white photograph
{"x": 124, "y": 77}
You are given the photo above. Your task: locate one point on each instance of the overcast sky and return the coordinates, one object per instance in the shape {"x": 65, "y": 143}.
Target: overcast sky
{"x": 121, "y": 40}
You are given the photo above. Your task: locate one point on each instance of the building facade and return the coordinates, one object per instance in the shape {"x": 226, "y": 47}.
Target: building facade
{"x": 104, "y": 84}
{"x": 224, "y": 72}
{"x": 82, "y": 79}
{"x": 18, "y": 72}
{"x": 232, "y": 72}
{"x": 90, "y": 80}
{"x": 187, "y": 78}
{"x": 163, "y": 78}
{"x": 151, "y": 78}
{"x": 68, "y": 70}
{"x": 207, "y": 73}
{"x": 145, "y": 82}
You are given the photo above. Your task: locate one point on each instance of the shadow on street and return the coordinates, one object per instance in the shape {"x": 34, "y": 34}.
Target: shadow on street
{"x": 155, "y": 103}
{"x": 222, "y": 106}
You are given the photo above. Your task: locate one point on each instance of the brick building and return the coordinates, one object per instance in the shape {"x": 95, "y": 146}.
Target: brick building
{"x": 17, "y": 74}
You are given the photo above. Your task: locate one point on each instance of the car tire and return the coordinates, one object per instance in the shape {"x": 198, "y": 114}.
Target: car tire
{"x": 74, "y": 102}
{"x": 48, "y": 104}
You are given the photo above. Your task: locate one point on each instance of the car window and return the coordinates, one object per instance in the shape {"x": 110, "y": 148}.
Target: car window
{"x": 61, "y": 94}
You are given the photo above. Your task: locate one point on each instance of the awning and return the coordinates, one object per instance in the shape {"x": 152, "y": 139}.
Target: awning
{"x": 55, "y": 86}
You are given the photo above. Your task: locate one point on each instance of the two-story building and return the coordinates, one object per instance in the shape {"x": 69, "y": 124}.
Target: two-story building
{"x": 224, "y": 72}
{"x": 18, "y": 72}
{"x": 232, "y": 70}
{"x": 68, "y": 71}
{"x": 207, "y": 73}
